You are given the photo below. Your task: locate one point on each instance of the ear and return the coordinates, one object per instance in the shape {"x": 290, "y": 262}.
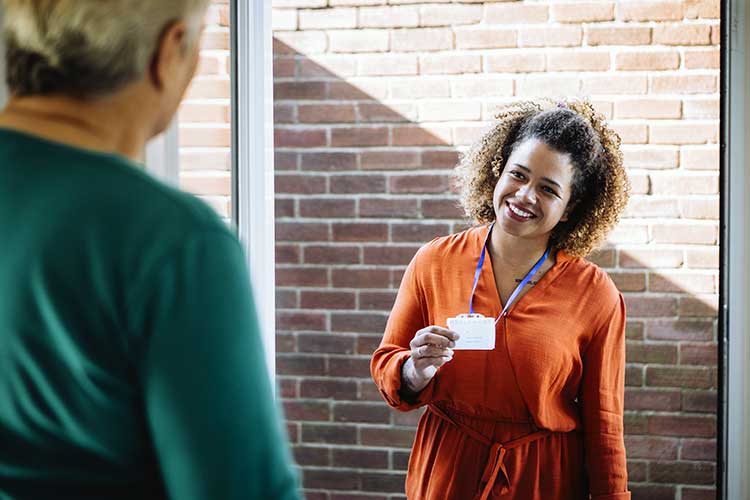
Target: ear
{"x": 168, "y": 53}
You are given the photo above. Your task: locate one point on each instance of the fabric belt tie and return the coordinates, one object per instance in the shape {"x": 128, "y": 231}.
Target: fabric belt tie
{"x": 495, "y": 478}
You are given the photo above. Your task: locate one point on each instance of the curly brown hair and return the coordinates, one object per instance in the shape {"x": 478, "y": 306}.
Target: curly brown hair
{"x": 600, "y": 186}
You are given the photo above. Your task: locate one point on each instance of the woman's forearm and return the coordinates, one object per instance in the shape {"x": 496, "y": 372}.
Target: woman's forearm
{"x": 412, "y": 383}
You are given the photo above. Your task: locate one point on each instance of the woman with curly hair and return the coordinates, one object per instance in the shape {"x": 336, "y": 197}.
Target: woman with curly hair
{"x": 540, "y": 415}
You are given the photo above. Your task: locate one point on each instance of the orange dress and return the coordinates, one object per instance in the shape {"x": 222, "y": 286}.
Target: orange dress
{"x": 540, "y": 417}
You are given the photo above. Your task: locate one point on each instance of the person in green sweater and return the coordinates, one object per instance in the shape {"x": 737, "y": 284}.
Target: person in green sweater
{"x": 131, "y": 364}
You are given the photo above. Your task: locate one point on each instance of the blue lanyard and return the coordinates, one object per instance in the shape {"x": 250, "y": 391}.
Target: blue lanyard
{"x": 520, "y": 286}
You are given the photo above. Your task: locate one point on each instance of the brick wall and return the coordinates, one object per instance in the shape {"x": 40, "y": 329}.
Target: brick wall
{"x": 372, "y": 103}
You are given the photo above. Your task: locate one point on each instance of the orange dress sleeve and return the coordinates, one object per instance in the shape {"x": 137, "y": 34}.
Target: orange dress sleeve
{"x": 602, "y": 397}
{"x": 408, "y": 315}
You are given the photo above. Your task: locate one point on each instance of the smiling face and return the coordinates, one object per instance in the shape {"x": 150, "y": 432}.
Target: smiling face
{"x": 533, "y": 192}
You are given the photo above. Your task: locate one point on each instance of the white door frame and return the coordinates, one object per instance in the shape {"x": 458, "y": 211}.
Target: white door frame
{"x": 252, "y": 155}
{"x": 735, "y": 306}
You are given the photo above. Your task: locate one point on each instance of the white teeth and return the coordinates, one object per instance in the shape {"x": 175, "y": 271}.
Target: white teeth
{"x": 520, "y": 213}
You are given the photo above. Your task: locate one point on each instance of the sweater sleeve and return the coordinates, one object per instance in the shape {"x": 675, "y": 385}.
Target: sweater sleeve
{"x": 602, "y": 395}
{"x": 408, "y": 315}
{"x": 216, "y": 429}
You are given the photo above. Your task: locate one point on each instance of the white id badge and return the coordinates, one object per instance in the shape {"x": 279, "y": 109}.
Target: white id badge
{"x": 475, "y": 330}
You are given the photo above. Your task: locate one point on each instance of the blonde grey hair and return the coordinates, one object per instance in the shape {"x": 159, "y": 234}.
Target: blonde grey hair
{"x": 87, "y": 48}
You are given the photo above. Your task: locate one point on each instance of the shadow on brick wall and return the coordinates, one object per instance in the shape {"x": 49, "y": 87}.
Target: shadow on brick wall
{"x": 360, "y": 186}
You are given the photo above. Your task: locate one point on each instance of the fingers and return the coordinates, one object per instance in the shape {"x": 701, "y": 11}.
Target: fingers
{"x": 423, "y": 364}
{"x": 434, "y": 335}
{"x": 430, "y": 351}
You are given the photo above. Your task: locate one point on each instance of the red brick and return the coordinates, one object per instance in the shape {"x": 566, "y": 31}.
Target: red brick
{"x": 394, "y": 113}
{"x": 283, "y": 113}
{"x": 442, "y": 208}
{"x": 390, "y": 160}
{"x": 306, "y": 410}
{"x": 515, "y": 13}
{"x": 359, "y": 136}
{"x": 629, "y": 281}
{"x": 682, "y": 283}
{"x": 685, "y": 377}
{"x": 681, "y": 34}
{"x": 287, "y": 254}
{"x": 546, "y": 36}
{"x": 698, "y": 493}
{"x": 617, "y": 35}
{"x": 301, "y": 231}
{"x": 356, "y": 184}
{"x": 650, "y": 399}
{"x": 326, "y": 113}
{"x": 637, "y": 470}
{"x": 331, "y": 254}
{"x": 349, "y": 366}
{"x": 700, "y": 401}
{"x": 326, "y": 343}
{"x": 386, "y": 436}
{"x": 698, "y": 449}
{"x": 285, "y": 342}
{"x": 328, "y": 161}
{"x": 311, "y": 455}
{"x": 699, "y": 354}
{"x": 327, "y": 207}
{"x": 376, "y": 301}
{"x": 682, "y": 472}
{"x": 361, "y": 278}
{"x": 362, "y": 412}
{"x": 360, "y": 231}
{"x": 284, "y": 67}
{"x": 327, "y": 65}
{"x": 417, "y": 232}
{"x": 327, "y": 388}
{"x": 700, "y": 305}
{"x": 384, "y": 481}
{"x": 329, "y": 433}
{"x": 309, "y": 90}
{"x": 299, "y": 138}
{"x": 388, "y": 207}
{"x": 439, "y": 159}
{"x": 360, "y": 458}
{"x": 326, "y": 299}
{"x": 633, "y": 376}
{"x": 639, "y": 352}
{"x": 389, "y": 255}
{"x": 286, "y": 299}
{"x": 677, "y": 425}
{"x": 651, "y": 447}
{"x": 301, "y": 276}
{"x": 419, "y": 184}
{"x": 330, "y": 479}
{"x": 648, "y": 206}
{"x": 299, "y": 184}
{"x": 652, "y": 492}
{"x": 295, "y": 364}
{"x": 640, "y": 306}
{"x": 692, "y": 330}
{"x": 358, "y": 322}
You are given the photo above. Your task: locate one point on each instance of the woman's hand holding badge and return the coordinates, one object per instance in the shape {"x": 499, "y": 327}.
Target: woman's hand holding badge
{"x": 431, "y": 348}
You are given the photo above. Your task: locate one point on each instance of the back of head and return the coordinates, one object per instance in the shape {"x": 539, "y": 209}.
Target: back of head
{"x": 87, "y": 48}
